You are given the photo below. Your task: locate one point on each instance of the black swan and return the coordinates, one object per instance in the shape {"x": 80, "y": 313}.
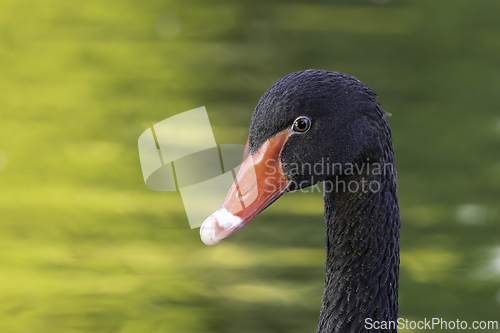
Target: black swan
{"x": 305, "y": 120}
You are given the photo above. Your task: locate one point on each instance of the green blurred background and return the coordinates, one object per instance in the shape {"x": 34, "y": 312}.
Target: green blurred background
{"x": 86, "y": 247}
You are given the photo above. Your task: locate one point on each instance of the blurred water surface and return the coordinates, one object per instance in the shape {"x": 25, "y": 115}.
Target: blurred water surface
{"x": 86, "y": 247}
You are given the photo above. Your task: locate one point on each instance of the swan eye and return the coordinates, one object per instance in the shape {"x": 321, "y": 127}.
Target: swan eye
{"x": 301, "y": 124}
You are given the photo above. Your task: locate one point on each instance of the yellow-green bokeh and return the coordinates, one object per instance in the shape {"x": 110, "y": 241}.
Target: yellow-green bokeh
{"x": 86, "y": 247}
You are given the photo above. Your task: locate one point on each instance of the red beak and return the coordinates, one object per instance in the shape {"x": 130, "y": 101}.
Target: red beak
{"x": 259, "y": 182}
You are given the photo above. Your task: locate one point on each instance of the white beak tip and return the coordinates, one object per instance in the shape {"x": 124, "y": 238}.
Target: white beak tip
{"x": 207, "y": 231}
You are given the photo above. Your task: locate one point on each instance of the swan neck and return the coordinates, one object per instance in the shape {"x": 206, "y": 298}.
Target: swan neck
{"x": 362, "y": 251}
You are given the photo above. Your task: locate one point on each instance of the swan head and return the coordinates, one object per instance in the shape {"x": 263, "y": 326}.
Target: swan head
{"x": 304, "y": 122}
